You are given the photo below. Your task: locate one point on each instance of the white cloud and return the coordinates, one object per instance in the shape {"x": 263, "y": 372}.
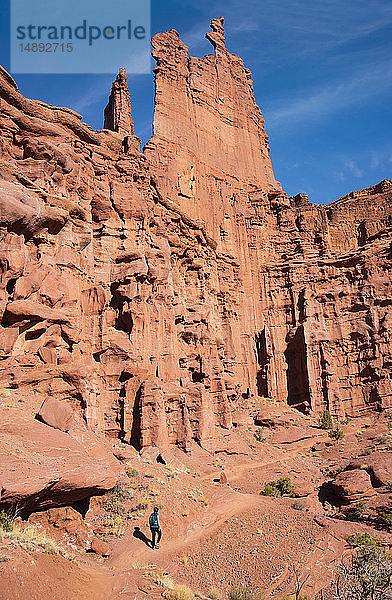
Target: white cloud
{"x": 334, "y": 96}
{"x": 353, "y": 168}
{"x": 95, "y": 95}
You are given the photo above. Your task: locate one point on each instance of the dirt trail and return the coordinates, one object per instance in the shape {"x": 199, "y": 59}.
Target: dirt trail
{"x": 224, "y": 504}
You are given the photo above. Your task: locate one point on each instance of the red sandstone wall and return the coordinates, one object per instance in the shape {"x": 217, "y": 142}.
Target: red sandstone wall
{"x": 158, "y": 294}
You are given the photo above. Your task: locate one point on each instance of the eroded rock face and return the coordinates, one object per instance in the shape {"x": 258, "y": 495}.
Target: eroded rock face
{"x": 159, "y": 294}
{"x": 41, "y": 467}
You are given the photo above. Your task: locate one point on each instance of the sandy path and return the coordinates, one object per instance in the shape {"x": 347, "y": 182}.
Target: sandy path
{"x": 224, "y": 504}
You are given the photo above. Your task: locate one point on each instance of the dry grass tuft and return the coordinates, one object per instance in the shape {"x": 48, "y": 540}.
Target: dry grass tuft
{"x": 215, "y": 594}
{"x": 32, "y": 538}
{"x": 163, "y": 578}
{"x": 180, "y": 592}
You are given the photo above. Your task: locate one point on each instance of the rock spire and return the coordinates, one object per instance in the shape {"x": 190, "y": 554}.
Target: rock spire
{"x": 118, "y": 114}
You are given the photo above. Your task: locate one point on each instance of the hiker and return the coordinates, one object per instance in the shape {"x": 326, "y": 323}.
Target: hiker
{"x": 155, "y": 528}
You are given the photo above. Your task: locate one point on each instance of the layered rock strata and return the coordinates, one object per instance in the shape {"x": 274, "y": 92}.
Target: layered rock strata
{"x": 161, "y": 294}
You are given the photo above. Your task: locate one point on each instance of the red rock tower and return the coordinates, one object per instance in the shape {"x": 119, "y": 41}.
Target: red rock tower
{"x": 209, "y": 138}
{"x": 217, "y": 35}
{"x": 118, "y": 114}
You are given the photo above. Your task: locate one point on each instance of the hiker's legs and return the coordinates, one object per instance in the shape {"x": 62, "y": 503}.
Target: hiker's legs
{"x": 159, "y": 535}
{"x": 153, "y": 534}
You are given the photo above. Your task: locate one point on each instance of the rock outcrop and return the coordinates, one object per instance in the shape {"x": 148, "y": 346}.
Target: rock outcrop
{"x": 158, "y": 294}
{"x": 118, "y": 112}
{"x": 41, "y": 467}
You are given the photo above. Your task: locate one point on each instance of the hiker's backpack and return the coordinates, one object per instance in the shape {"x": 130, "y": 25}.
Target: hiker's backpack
{"x": 154, "y": 523}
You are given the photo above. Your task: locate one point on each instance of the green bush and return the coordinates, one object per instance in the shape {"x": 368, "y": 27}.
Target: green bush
{"x": 282, "y": 487}
{"x": 386, "y": 518}
{"x": 326, "y": 422}
{"x": 259, "y": 437}
{"x": 367, "y": 575}
{"x": 131, "y": 472}
{"x": 5, "y": 521}
{"x": 355, "y": 512}
{"x": 298, "y": 505}
{"x": 362, "y": 540}
{"x": 336, "y": 434}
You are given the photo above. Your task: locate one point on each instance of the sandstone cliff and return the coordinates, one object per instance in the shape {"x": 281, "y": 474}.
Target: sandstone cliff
{"x": 159, "y": 295}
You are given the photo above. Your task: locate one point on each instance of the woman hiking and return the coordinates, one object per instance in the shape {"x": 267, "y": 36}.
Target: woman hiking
{"x": 155, "y": 528}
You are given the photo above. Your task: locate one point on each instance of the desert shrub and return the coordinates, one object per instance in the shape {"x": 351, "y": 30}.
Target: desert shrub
{"x": 3, "y": 558}
{"x": 163, "y": 578}
{"x": 326, "y": 422}
{"x": 131, "y": 472}
{"x": 180, "y": 592}
{"x": 5, "y": 521}
{"x": 258, "y": 435}
{"x": 32, "y": 538}
{"x": 279, "y": 488}
{"x": 298, "y": 505}
{"x": 362, "y": 540}
{"x": 365, "y": 576}
{"x": 215, "y": 594}
{"x": 115, "y": 504}
{"x": 386, "y": 518}
{"x": 336, "y": 434}
{"x": 142, "y": 505}
{"x": 120, "y": 493}
{"x": 241, "y": 592}
{"x": 114, "y": 528}
{"x": 388, "y": 486}
{"x": 355, "y": 511}
{"x": 116, "y": 498}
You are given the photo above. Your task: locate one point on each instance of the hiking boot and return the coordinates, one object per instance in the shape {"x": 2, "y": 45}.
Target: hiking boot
{"x": 157, "y": 546}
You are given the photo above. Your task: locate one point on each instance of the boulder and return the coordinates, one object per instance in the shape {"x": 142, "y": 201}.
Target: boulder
{"x": 353, "y": 485}
{"x": 380, "y": 464}
{"x": 56, "y": 414}
{"x": 100, "y": 547}
{"x": 43, "y": 467}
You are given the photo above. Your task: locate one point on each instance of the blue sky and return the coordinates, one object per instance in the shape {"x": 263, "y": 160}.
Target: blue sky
{"x": 322, "y": 73}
